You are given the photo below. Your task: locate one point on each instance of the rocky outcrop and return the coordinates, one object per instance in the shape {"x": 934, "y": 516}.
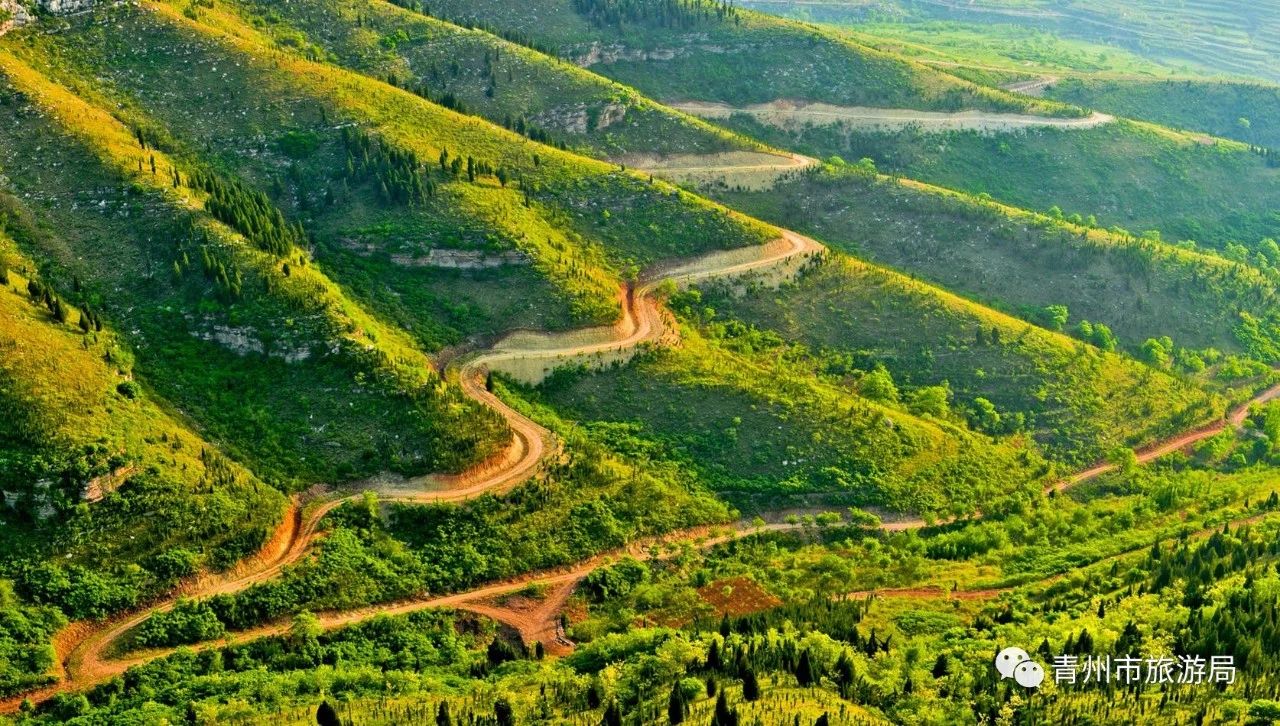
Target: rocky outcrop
{"x": 580, "y": 118}
{"x": 65, "y": 6}
{"x": 12, "y": 15}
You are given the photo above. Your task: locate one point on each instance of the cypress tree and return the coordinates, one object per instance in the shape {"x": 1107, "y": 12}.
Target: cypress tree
{"x": 326, "y": 716}
{"x": 612, "y": 715}
{"x": 750, "y": 686}
{"x": 804, "y": 670}
{"x": 676, "y": 705}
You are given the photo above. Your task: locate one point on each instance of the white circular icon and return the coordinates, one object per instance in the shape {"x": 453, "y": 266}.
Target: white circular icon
{"x": 1008, "y": 659}
{"x": 1029, "y": 674}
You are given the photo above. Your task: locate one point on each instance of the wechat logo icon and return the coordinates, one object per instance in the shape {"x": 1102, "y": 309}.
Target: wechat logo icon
{"x": 1016, "y": 664}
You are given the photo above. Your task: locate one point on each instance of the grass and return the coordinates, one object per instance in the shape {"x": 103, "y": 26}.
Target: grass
{"x": 77, "y": 426}
{"x": 501, "y": 80}
{"x": 1231, "y": 109}
{"x": 1079, "y": 402}
{"x": 582, "y": 223}
{"x": 1125, "y": 173}
{"x": 325, "y": 358}
{"x": 1022, "y": 263}
{"x": 755, "y": 417}
{"x": 786, "y": 60}
{"x": 1007, "y": 46}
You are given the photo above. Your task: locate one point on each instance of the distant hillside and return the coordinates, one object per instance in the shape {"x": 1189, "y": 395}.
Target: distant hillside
{"x": 1229, "y": 36}
{"x": 236, "y": 328}
{"x": 737, "y": 57}
{"x": 1077, "y": 401}
{"x": 1248, "y": 112}
{"x": 1124, "y": 173}
{"x": 1024, "y": 263}
{"x": 340, "y": 166}
{"x": 476, "y": 72}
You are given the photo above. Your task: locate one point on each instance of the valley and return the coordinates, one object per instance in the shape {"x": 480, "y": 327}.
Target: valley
{"x": 629, "y": 362}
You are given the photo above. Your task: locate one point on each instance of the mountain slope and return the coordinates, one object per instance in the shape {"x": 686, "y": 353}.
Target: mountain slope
{"x": 1023, "y": 263}
{"x": 259, "y": 347}
{"x": 582, "y": 223}
{"x": 740, "y": 57}
{"x": 508, "y": 83}
{"x": 1077, "y": 401}
{"x": 1231, "y": 109}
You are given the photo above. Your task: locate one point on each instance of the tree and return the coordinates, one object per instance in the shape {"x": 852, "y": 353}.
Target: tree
{"x": 750, "y": 685}
{"x": 503, "y": 713}
{"x": 713, "y": 658}
{"x": 676, "y": 705}
{"x": 305, "y": 628}
{"x": 612, "y": 715}
{"x": 1055, "y": 317}
{"x": 1154, "y": 352}
{"x": 940, "y": 666}
{"x": 931, "y": 400}
{"x": 723, "y": 716}
{"x": 984, "y": 416}
{"x": 326, "y": 716}
{"x": 443, "y": 717}
{"x": 804, "y": 670}
{"x": 878, "y": 385}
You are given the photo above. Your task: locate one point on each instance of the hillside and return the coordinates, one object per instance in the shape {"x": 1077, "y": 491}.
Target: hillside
{"x": 1223, "y": 36}
{"x": 700, "y": 54}
{"x": 582, "y": 223}
{"x": 946, "y": 353}
{"x": 627, "y": 362}
{"x": 87, "y": 448}
{"x": 252, "y": 344}
{"x": 1231, "y": 109}
{"x": 1023, "y": 263}
{"x": 806, "y": 431}
{"x": 477, "y": 72}
{"x": 1124, "y": 173}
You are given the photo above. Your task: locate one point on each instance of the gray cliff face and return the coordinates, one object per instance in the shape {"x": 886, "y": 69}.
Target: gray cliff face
{"x": 17, "y": 13}
{"x": 65, "y": 6}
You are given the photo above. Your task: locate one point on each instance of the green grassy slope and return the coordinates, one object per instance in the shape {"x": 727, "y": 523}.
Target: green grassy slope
{"x": 108, "y": 498}
{"x": 1077, "y": 401}
{"x": 1245, "y": 112}
{"x": 582, "y": 223}
{"x": 740, "y": 58}
{"x": 1239, "y": 37}
{"x": 1022, "y": 263}
{"x": 759, "y": 416}
{"x": 505, "y": 82}
{"x": 262, "y": 350}
{"x": 1125, "y": 173}
{"x": 77, "y": 426}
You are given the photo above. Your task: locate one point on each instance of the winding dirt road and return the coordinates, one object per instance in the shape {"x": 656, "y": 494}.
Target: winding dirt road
{"x": 84, "y": 647}
{"x": 796, "y": 114}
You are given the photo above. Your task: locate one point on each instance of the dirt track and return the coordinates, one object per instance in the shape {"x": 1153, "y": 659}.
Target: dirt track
{"x": 797, "y": 114}
{"x": 83, "y": 657}
{"x": 84, "y": 647}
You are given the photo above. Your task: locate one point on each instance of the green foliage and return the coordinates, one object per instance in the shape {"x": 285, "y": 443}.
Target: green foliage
{"x": 1126, "y": 173}
{"x": 941, "y": 349}
{"x": 751, "y": 414}
{"x": 187, "y": 622}
{"x": 1234, "y": 110}
{"x": 1023, "y": 264}
{"x": 836, "y": 70}
{"x": 258, "y": 362}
